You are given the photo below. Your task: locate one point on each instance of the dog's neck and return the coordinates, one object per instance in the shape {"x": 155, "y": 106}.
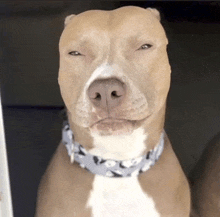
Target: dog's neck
{"x": 108, "y": 165}
{"x": 143, "y": 139}
{"x": 145, "y": 143}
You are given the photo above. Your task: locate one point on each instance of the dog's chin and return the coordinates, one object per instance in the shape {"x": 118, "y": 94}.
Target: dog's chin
{"x": 108, "y": 127}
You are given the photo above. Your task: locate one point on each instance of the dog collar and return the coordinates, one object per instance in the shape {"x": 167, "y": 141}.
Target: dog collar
{"x": 109, "y": 167}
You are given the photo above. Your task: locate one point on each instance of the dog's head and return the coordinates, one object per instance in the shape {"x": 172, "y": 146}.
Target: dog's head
{"x": 114, "y": 70}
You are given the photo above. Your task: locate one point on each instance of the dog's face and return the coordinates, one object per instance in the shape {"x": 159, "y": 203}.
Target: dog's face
{"x": 114, "y": 70}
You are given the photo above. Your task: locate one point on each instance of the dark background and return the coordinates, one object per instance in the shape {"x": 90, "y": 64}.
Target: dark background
{"x": 32, "y": 104}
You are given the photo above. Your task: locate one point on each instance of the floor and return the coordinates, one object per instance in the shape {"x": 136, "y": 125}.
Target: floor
{"x": 193, "y": 113}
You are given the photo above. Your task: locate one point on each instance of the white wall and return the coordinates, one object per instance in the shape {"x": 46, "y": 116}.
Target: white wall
{"x": 5, "y": 192}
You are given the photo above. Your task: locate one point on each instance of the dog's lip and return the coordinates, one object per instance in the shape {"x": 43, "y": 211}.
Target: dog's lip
{"x": 107, "y": 120}
{"x": 117, "y": 120}
{"x": 110, "y": 120}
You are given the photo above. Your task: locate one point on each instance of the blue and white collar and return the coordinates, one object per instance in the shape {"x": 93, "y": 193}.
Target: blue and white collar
{"x": 109, "y": 167}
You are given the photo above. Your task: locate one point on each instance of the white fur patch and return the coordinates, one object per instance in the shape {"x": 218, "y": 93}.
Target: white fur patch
{"x": 83, "y": 104}
{"x": 120, "y": 147}
{"x": 120, "y": 197}
{"x": 103, "y": 71}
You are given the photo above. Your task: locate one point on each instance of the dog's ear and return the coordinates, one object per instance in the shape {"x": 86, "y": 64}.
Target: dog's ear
{"x": 155, "y": 12}
{"x": 68, "y": 19}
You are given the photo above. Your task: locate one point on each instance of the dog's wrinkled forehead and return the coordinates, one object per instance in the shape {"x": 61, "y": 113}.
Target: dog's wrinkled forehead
{"x": 123, "y": 20}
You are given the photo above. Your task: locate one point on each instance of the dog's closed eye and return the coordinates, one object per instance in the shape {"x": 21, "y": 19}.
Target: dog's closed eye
{"x": 145, "y": 47}
{"x": 75, "y": 53}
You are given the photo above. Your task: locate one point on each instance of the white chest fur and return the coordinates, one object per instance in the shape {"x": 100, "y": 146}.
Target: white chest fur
{"x": 120, "y": 197}
{"x": 120, "y": 147}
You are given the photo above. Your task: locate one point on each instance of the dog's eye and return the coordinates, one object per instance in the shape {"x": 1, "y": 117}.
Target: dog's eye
{"x": 75, "y": 53}
{"x": 145, "y": 46}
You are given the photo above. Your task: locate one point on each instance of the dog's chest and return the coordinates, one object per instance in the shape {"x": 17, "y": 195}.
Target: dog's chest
{"x": 120, "y": 197}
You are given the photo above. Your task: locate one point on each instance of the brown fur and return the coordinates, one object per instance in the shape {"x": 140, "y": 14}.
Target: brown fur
{"x": 163, "y": 187}
{"x": 64, "y": 188}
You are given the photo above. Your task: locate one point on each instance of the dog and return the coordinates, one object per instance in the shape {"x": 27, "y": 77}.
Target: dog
{"x": 205, "y": 182}
{"x": 115, "y": 158}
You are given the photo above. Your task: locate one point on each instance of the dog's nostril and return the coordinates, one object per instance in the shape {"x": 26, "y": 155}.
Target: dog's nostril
{"x": 98, "y": 96}
{"x": 114, "y": 94}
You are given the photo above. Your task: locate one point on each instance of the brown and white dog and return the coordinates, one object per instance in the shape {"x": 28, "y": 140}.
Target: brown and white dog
{"x": 114, "y": 78}
{"x": 205, "y": 182}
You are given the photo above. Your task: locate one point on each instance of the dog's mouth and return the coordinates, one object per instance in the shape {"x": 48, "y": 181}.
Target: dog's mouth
{"x": 112, "y": 126}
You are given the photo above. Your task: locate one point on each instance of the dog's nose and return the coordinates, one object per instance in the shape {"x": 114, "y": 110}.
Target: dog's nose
{"x": 107, "y": 93}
